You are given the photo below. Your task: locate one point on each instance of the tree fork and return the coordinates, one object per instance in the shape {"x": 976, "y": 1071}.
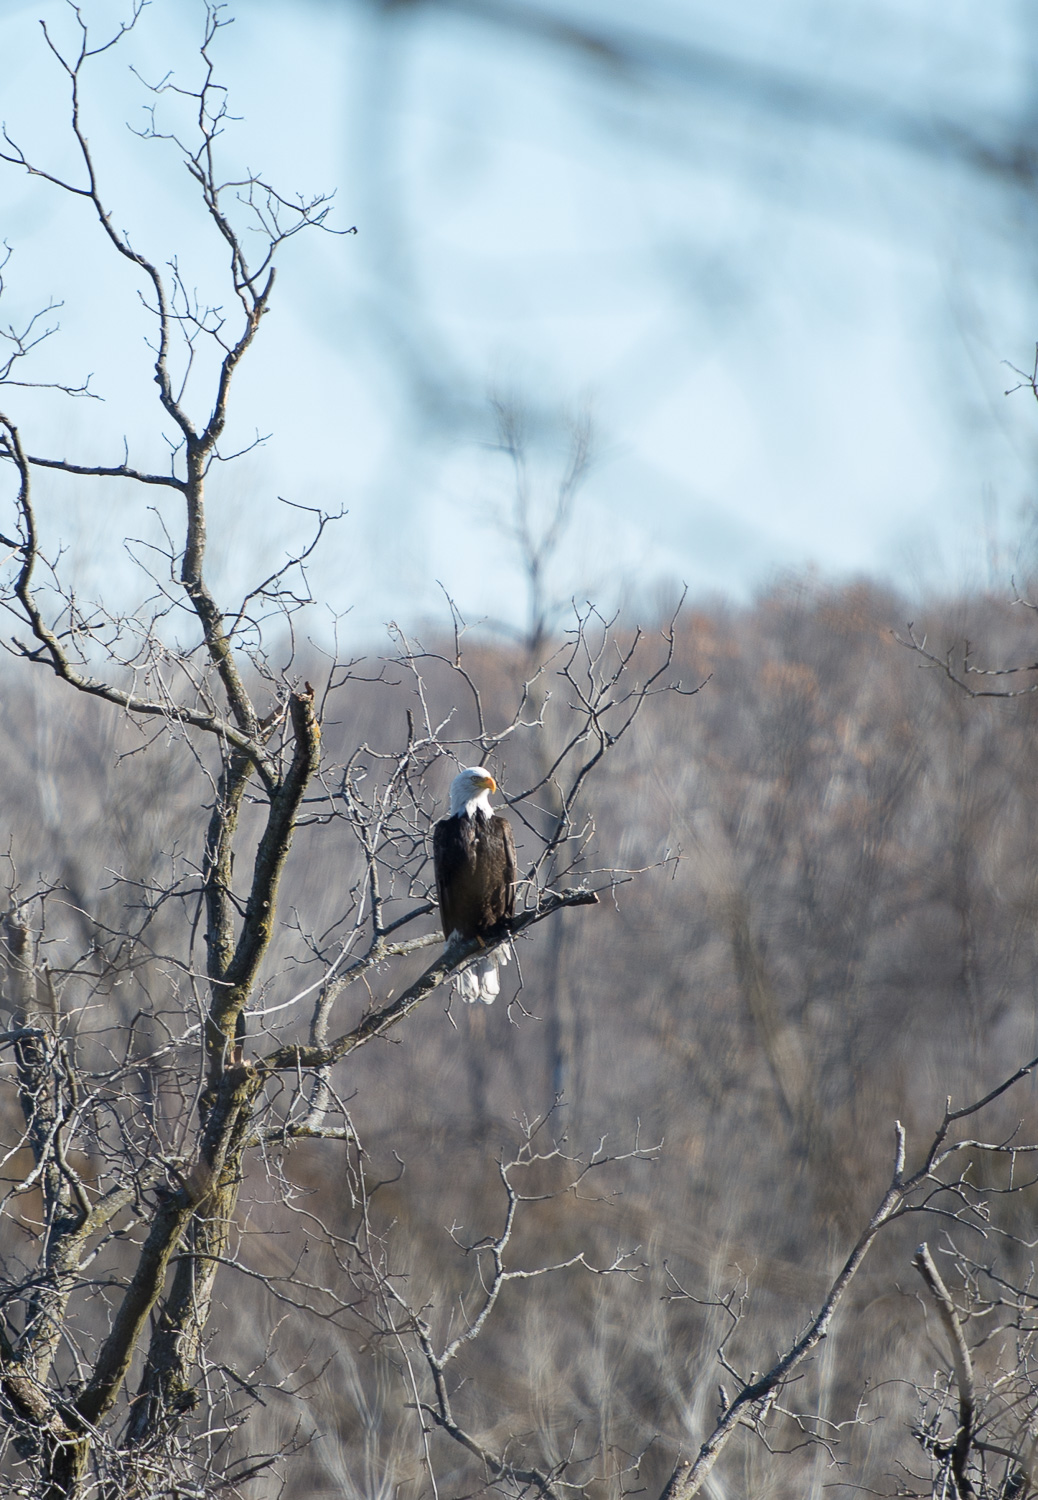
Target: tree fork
{"x": 165, "y": 1394}
{"x": 219, "y": 853}
{"x": 232, "y": 993}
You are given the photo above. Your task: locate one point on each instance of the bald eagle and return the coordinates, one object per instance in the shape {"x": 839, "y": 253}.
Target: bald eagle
{"x": 474, "y": 860}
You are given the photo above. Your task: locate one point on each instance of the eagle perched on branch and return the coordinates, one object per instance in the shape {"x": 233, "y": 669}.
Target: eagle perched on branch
{"x": 475, "y": 865}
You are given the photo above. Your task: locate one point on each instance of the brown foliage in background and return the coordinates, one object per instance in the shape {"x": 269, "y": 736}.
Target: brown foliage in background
{"x": 848, "y": 936}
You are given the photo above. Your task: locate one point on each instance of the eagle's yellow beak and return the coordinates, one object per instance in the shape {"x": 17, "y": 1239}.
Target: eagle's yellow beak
{"x": 491, "y": 784}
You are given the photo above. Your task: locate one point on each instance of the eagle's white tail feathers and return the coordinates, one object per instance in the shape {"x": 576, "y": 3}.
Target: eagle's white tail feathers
{"x": 481, "y": 980}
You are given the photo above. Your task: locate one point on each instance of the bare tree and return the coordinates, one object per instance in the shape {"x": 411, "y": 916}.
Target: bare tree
{"x": 136, "y": 1128}
{"x": 943, "y": 1188}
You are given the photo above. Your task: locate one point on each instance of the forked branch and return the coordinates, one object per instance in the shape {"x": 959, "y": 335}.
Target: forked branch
{"x": 918, "y": 1192}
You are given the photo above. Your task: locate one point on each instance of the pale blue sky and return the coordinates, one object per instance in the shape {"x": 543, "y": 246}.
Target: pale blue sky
{"x": 789, "y": 327}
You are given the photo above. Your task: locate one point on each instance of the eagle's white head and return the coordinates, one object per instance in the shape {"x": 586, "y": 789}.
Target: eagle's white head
{"x": 470, "y": 789}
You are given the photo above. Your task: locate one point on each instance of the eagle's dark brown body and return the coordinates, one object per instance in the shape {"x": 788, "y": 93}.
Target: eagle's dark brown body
{"x": 474, "y": 860}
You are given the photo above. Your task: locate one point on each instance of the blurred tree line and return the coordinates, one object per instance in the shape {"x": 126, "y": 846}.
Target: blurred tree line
{"x": 836, "y": 929}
